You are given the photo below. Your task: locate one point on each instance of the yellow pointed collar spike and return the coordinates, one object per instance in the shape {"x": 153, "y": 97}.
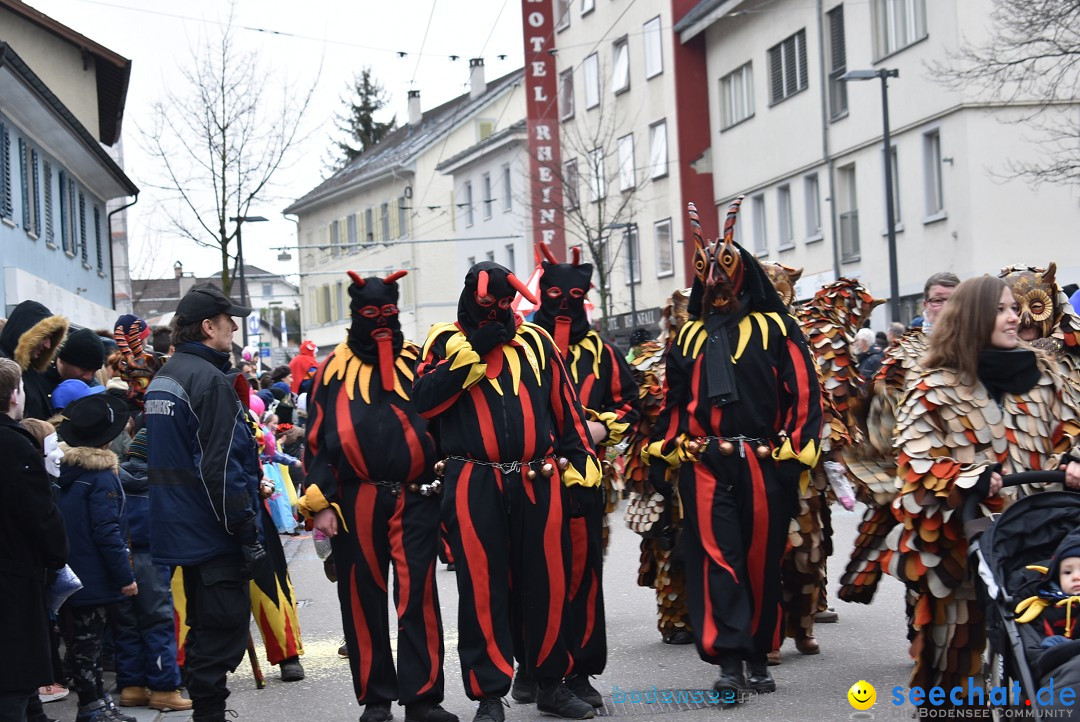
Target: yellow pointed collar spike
{"x": 763, "y": 324}
{"x": 745, "y": 331}
{"x": 513, "y": 361}
{"x": 364, "y": 382}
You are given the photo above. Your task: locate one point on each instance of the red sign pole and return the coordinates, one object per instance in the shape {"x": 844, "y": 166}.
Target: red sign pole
{"x": 542, "y": 111}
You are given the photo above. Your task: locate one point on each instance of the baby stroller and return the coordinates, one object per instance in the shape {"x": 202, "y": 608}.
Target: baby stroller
{"x": 1026, "y": 533}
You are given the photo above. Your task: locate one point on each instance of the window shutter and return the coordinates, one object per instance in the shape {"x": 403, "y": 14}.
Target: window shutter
{"x": 25, "y": 180}
{"x": 5, "y": 172}
{"x": 837, "y": 46}
{"x": 486, "y": 128}
{"x": 791, "y": 71}
{"x": 776, "y": 75}
{"x": 800, "y": 41}
{"x": 394, "y": 232}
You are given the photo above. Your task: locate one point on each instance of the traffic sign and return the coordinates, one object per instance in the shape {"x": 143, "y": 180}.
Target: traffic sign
{"x": 253, "y": 324}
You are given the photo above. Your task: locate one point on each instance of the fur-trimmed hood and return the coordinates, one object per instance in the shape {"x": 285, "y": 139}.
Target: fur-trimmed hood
{"x": 87, "y": 457}
{"x": 30, "y": 324}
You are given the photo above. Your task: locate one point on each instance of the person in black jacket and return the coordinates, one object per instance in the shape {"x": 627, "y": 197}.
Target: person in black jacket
{"x": 204, "y": 482}
{"x": 32, "y": 337}
{"x": 32, "y": 541}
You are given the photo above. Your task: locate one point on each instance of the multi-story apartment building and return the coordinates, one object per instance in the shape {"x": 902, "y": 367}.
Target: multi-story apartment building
{"x": 391, "y": 209}
{"x": 63, "y": 97}
{"x": 806, "y": 148}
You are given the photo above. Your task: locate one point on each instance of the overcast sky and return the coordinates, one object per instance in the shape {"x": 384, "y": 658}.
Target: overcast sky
{"x": 294, "y": 40}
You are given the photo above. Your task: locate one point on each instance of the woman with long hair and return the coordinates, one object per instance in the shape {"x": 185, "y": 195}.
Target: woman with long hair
{"x": 985, "y": 404}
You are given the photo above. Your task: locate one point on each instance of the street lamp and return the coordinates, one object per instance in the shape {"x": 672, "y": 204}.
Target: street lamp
{"x": 240, "y": 221}
{"x": 890, "y": 216}
{"x": 629, "y": 237}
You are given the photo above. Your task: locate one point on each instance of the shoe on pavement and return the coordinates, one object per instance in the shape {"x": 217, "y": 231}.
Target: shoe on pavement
{"x": 555, "y": 698}
{"x": 761, "y": 681}
{"x": 377, "y": 712}
{"x": 679, "y": 636}
{"x": 134, "y": 697}
{"x": 428, "y": 712}
{"x": 343, "y": 650}
{"x": 773, "y": 658}
{"x": 113, "y": 713}
{"x": 523, "y": 689}
{"x": 583, "y": 690}
{"x": 808, "y": 645}
{"x": 490, "y": 710}
{"x": 52, "y": 692}
{"x": 826, "y": 616}
{"x": 93, "y": 712}
{"x": 168, "y": 701}
{"x": 291, "y": 670}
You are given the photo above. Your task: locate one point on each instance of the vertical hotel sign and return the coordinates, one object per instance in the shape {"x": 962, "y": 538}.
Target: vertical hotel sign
{"x": 542, "y": 110}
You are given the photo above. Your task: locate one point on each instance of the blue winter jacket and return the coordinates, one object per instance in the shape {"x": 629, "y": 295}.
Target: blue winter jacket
{"x": 136, "y": 483}
{"x": 92, "y": 504}
{"x": 203, "y": 461}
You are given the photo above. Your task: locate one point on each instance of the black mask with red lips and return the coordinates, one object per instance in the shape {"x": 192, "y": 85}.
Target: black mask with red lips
{"x": 488, "y": 297}
{"x": 375, "y": 334}
{"x": 563, "y": 287}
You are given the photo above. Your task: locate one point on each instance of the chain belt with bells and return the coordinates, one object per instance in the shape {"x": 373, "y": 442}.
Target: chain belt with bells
{"x": 728, "y": 444}
{"x": 547, "y": 469}
{"x": 395, "y": 487}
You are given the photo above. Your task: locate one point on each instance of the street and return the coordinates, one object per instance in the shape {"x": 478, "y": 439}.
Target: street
{"x": 867, "y": 643}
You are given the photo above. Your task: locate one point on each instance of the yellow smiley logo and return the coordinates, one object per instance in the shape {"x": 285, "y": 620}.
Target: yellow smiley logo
{"x": 862, "y": 695}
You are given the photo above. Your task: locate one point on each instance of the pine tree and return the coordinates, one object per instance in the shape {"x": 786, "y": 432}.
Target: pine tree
{"x": 362, "y": 132}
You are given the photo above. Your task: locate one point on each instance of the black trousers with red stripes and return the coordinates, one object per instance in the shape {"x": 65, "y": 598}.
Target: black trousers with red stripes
{"x": 736, "y": 522}
{"x": 588, "y": 632}
{"x": 401, "y": 530}
{"x": 507, "y": 535}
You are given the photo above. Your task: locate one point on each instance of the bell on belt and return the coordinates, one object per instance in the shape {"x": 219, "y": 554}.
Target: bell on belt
{"x": 727, "y": 448}
{"x": 563, "y": 463}
{"x": 548, "y": 469}
{"x": 414, "y": 488}
{"x": 530, "y": 474}
{"x": 440, "y": 467}
{"x": 693, "y": 446}
{"x": 762, "y": 451}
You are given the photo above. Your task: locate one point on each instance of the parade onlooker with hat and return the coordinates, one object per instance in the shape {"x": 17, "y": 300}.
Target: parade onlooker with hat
{"x": 32, "y": 337}
{"x": 303, "y": 367}
{"x": 92, "y": 503}
{"x": 81, "y": 356}
{"x": 71, "y": 390}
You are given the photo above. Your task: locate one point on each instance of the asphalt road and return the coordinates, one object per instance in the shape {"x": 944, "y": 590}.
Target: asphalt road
{"x": 866, "y": 644}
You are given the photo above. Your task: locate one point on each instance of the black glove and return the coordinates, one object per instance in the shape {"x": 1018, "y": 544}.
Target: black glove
{"x": 658, "y": 469}
{"x": 255, "y": 559}
{"x": 585, "y": 500}
{"x": 488, "y": 337}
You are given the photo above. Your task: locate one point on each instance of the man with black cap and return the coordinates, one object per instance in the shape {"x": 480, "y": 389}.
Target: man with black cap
{"x": 32, "y": 338}
{"x": 81, "y": 356}
{"x": 204, "y": 478}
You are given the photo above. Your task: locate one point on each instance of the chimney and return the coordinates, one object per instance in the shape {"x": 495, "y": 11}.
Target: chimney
{"x": 414, "y": 108}
{"x": 178, "y": 269}
{"x": 477, "y": 85}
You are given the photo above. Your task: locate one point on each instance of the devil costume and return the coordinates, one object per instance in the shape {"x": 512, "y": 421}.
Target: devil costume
{"x": 504, "y": 410}
{"x": 606, "y": 388}
{"x": 370, "y": 458}
{"x": 742, "y": 422}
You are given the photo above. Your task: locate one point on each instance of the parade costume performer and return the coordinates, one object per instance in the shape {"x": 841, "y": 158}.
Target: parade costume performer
{"x": 371, "y": 488}
{"x": 137, "y": 363}
{"x": 741, "y": 421}
{"x": 519, "y": 462}
{"x": 981, "y": 404}
{"x": 647, "y": 512}
{"x": 606, "y": 389}
{"x": 829, "y": 320}
{"x": 1047, "y": 319}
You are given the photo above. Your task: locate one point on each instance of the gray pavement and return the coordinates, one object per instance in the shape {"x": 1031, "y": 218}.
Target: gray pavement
{"x": 867, "y": 643}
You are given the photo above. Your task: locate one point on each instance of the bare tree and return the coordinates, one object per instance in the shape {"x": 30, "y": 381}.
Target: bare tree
{"x": 219, "y": 139}
{"x": 1030, "y": 62}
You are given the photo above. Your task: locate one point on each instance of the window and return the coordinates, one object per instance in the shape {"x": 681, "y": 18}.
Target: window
{"x": 508, "y": 203}
{"x": 511, "y": 260}
{"x": 485, "y": 184}
{"x": 633, "y": 255}
{"x": 654, "y": 54}
{"x": 24, "y": 178}
{"x": 895, "y": 189}
{"x": 935, "y": 198}
{"x": 665, "y": 252}
{"x": 597, "y": 177}
{"x": 335, "y": 239}
{"x": 566, "y": 94}
{"x": 787, "y": 67}
{"x": 490, "y": 255}
{"x": 761, "y": 239}
{"x": 99, "y": 241}
{"x": 267, "y": 289}
{"x": 402, "y": 217}
{"x": 339, "y": 296}
{"x": 472, "y": 261}
{"x": 468, "y": 203}
{"x": 620, "y": 68}
{"x": 571, "y": 183}
{"x": 627, "y": 179}
{"x": 384, "y": 217}
{"x": 48, "y": 203}
{"x": 837, "y": 63}
{"x": 783, "y": 212}
{"x": 848, "y": 206}
{"x": 562, "y": 14}
{"x": 897, "y": 24}
{"x": 325, "y": 305}
{"x": 67, "y": 215}
{"x": 351, "y": 237}
{"x": 587, "y": 6}
{"x": 84, "y": 252}
{"x": 658, "y": 150}
{"x": 737, "y": 95}
{"x": 812, "y": 193}
{"x": 591, "y": 69}
{"x": 369, "y": 226}
{"x": 34, "y": 189}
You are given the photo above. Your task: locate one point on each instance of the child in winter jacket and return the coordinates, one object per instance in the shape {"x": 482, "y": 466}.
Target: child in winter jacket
{"x": 91, "y": 501}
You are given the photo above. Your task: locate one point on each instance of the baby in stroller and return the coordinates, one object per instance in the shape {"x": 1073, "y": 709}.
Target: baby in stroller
{"x": 1049, "y": 619}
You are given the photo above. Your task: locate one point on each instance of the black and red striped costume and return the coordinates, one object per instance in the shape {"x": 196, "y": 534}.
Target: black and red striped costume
{"x": 740, "y": 452}
{"x": 511, "y": 405}
{"x": 368, "y": 451}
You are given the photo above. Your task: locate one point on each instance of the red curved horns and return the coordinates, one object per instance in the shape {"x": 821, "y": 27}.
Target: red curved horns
{"x": 575, "y": 255}
{"x": 482, "y": 284}
{"x": 545, "y": 249}
{"x": 522, "y": 289}
{"x": 356, "y": 278}
{"x": 394, "y": 276}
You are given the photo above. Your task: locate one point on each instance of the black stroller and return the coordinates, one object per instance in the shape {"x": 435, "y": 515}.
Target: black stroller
{"x": 1026, "y": 533}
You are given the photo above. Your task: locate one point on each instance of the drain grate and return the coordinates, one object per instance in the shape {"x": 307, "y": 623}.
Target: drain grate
{"x": 651, "y": 709}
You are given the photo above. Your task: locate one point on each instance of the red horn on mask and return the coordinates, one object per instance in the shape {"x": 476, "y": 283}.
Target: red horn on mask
{"x": 545, "y": 249}
{"x": 356, "y": 278}
{"x": 575, "y": 255}
{"x": 394, "y": 276}
{"x": 522, "y": 289}
{"x": 481, "y": 284}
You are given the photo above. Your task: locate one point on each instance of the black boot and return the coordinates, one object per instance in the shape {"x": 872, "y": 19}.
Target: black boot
{"x": 732, "y": 683}
{"x": 554, "y": 698}
{"x": 377, "y": 712}
{"x": 761, "y": 681}
{"x": 583, "y": 690}
{"x": 524, "y": 688}
{"x": 291, "y": 670}
{"x": 490, "y": 710}
{"x": 428, "y": 712}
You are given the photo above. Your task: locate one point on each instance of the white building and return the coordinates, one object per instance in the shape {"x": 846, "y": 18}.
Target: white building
{"x": 806, "y": 148}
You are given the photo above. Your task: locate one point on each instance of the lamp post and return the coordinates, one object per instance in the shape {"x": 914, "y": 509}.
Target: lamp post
{"x": 629, "y": 237}
{"x": 240, "y": 221}
{"x": 890, "y": 214}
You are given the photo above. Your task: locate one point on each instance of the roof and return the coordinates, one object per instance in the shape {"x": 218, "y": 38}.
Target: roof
{"x": 11, "y": 61}
{"x": 113, "y": 70}
{"x": 155, "y": 296}
{"x": 403, "y": 144}
{"x": 702, "y": 15}
{"x": 491, "y": 141}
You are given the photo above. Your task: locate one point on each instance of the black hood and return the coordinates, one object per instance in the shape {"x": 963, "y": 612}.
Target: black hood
{"x": 474, "y": 312}
{"x": 29, "y": 324}
{"x": 1069, "y": 547}
{"x": 757, "y": 293}
{"x": 563, "y": 287}
{"x": 373, "y": 308}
